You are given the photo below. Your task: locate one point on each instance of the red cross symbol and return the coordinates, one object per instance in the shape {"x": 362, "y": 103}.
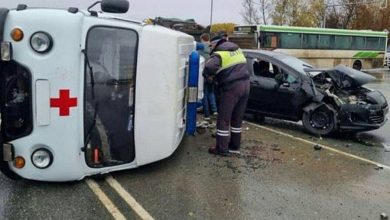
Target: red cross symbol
{"x": 64, "y": 102}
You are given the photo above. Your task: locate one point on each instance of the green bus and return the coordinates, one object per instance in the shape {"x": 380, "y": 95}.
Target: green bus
{"x": 321, "y": 47}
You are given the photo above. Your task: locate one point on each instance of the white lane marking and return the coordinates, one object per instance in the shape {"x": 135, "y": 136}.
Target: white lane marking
{"x": 114, "y": 211}
{"x": 323, "y": 146}
{"x": 141, "y": 212}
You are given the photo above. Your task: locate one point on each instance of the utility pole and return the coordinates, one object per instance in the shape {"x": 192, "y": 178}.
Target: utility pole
{"x": 211, "y": 15}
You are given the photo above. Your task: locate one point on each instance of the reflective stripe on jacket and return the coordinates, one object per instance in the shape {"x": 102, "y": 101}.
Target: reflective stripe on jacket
{"x": 230, "y": 58}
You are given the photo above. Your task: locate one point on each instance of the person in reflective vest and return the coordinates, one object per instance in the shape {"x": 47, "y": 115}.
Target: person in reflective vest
{"x": 227, "y": 65}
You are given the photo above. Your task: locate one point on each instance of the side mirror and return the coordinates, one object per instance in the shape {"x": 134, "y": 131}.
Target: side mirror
{"x": 115, "y": 6}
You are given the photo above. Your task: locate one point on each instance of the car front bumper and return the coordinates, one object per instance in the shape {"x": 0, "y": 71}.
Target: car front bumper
{"x": 363, "y": 118}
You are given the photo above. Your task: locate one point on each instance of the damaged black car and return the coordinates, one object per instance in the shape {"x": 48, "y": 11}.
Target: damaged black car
{"x": 326, "y": 100}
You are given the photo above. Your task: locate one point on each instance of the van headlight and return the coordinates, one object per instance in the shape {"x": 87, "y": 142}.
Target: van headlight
{"x": 41, "y": 42}
{"x": 42, "y": 158}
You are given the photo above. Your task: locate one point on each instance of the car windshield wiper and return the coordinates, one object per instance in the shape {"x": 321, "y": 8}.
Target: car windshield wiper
{"x": 91, "y": 75}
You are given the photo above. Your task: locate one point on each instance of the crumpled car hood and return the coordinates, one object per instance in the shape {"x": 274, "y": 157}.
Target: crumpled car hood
{"x": 348, "y": 78}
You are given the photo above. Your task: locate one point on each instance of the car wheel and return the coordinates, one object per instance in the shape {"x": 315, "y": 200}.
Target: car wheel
{"x": 357, "y": 65}
{"x": 321, "y": 121}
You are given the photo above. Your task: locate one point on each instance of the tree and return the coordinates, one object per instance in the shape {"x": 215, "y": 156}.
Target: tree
{"x": 354, "y": 14}
{"x": 257, "y": 11}
{"x": 280, "y": 13}
{"x": 250, "y": 13}
{"x": 223, "y": 27}
{"x": 317, "y": 9}
{"x": 379, "y": 18}
{"x": 299, "y": 12}
{"x": 265, "y": 8}
{"x": 345, "y": 14}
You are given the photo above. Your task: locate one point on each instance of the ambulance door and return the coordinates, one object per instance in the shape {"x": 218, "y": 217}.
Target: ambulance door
{"x": 109, "y": 95}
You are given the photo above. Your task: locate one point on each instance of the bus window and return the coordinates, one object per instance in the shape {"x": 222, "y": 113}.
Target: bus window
{"x": 382, "y": 44}
{"x": 342, "y": 42}
{"x": 358, "y": 43}
{"x": 309, "y": 41}
{"x": 274, "y": 41}
{"x": 268, "y": 40}
{"x": 336, "y": 45}
{"x": 290, "y": 40}
{"x": 324, "y": 42}
{"x": 372, "y": 43}
{"x": 244, "y": 29}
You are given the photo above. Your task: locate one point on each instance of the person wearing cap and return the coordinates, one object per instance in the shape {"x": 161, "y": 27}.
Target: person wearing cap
{"x": 227, "y": 65}
{"x": 208, "y": 101}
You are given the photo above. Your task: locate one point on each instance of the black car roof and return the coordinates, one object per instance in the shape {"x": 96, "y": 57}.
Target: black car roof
{"x": 287, "y": 60}
{"x": 268, "y": 53}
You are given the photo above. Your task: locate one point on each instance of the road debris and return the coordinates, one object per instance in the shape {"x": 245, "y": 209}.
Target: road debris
{"x": 379, "y": 167}
{"x": 317, "y": 147}
{"x": 275, "y": 147}
{"x": 384, "y": 216}
{"x": 360, "y": 141}
{"x": 386, "y": 146}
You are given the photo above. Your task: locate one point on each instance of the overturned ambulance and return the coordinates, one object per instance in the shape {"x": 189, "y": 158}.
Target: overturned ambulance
{"x": 82, "y": 94}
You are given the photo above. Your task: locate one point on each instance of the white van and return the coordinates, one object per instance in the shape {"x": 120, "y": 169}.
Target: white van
{"x": 84, "y": 95}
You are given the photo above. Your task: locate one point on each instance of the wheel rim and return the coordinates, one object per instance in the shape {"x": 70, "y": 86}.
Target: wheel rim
{"x": 320, "y": 120}
{"x": 357, "y": 65}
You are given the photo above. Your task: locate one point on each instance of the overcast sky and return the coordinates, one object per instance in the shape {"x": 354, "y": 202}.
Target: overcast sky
{"x": 224, "y": 10}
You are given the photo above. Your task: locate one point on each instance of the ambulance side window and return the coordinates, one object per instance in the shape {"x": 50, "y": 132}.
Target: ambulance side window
{"x": 109, "y": 92}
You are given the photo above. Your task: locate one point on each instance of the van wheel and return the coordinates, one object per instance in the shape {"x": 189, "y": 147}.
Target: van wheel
{"x": 4, "y": 168}
{"x": 320, "y": 121}
{"x": 357, "y": 65}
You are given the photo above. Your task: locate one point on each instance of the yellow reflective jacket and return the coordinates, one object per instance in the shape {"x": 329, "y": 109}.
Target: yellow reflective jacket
{"x": 230, "y": 58}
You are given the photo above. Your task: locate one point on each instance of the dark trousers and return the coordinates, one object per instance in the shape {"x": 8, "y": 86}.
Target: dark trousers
{"x": 231, "y": 109}
{"x": 208, "y": 99}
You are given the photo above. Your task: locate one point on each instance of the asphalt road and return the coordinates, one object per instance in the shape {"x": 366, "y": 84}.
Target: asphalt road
{"x": 277, "y": 176}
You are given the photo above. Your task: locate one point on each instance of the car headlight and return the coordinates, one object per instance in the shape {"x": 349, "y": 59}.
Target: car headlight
{"x": 42, "y": 158}
{"x": 41, "y": 42}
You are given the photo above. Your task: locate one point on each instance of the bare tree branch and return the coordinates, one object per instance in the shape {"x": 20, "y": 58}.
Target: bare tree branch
{"x": 250, "y": 14}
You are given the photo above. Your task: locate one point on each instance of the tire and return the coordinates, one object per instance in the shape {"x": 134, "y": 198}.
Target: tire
{"x": 357, "y": 65}
{"x": 320, "y": 121}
